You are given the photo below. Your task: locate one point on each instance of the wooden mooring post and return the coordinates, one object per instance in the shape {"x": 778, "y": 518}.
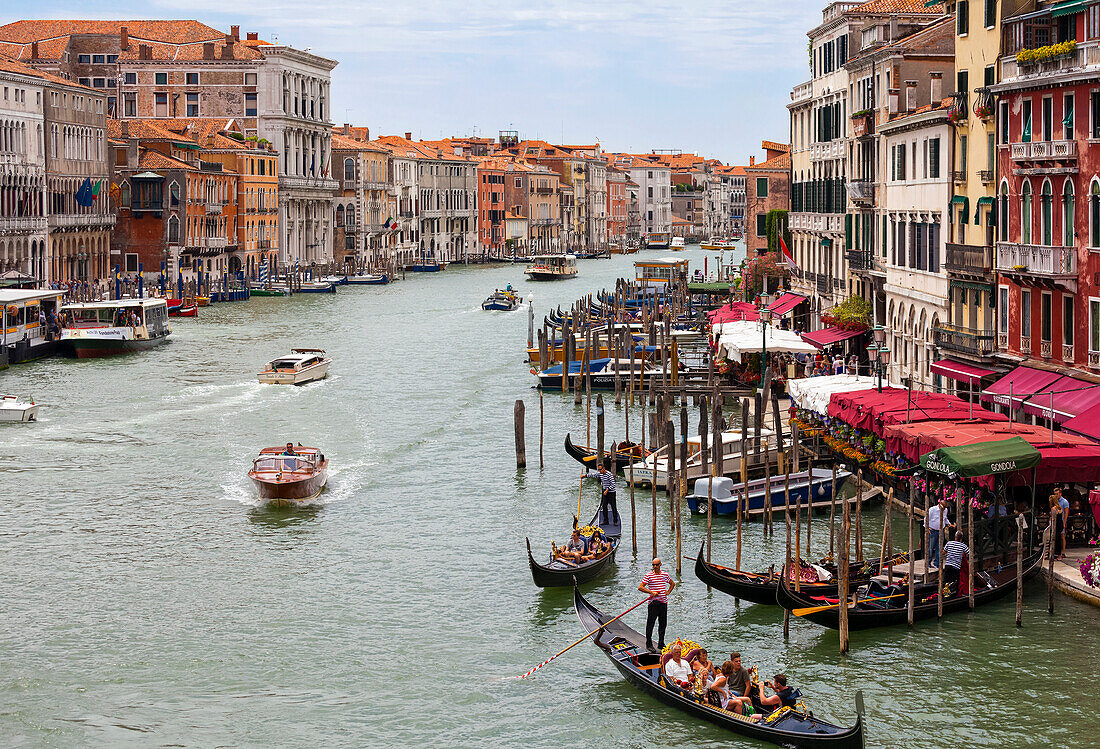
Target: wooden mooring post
{"x": 521, "y": 448}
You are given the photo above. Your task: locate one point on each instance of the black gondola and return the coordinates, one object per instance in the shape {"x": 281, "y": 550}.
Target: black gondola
{"x": 561, "y": 574}
{"x": 625, "y": 453}
{"x": 762, "y": 587}
{"x": 789, "y": 728}
{"x": 989, "y": 586}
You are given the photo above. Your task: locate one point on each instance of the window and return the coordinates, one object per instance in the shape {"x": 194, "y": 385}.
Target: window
{"x": 761, "y": 224}
{"x": 349, "y": 170}
{"x": 124, "y": 195}
{"x": 1048, "y": 118}
{"x": 1067, "y": 214}
{"x": 1046, "y": 213}
{"x": 1094, "y": 324}
{"x": 86, "y": 82}
{"x": 1025, "y": 212}
{"x": 1025, "y": 120}
{"x": 962, "y": 17}
{"x": 1002, "y": 316}
{"x": 161, "y": 79}
{"x": 1067, "y": 117}
{"x": 1025, "y": 313}
{"x": 1045, "y": 315}
{"x": 761, "y": 187}
{"x": 131, "y": 262}
{"x": 174, "y": 195}
{"x": 934, "y": 158}
{"x": 173, "y": 230}
{"x": 1067, "y": 319}
{"x": 1094, "y": 115}
{"x": 250, "y": 105}
{"x": 651, "y": 193}
{"x": 1094, "y": 214}
{"x": 250, "y": 79}
{"x": 192, "y": 79}
{"x": 161, "y": 105}
{"x": 962, "y": 154}
{"x": 112, "y": 59}
{"x": 99, "y": 83}
{"x": 129, "y": 105}
{"x": 112, "y": 83}
{"x": 130, "y": 79}
{"x": 1002, "y": 107}
{"x": 192, "y": 105}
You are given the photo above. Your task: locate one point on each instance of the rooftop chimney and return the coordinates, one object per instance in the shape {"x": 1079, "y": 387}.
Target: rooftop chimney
{"x": 207, "y": 50}
{"x": 34, "y": 50}
{"x": 132, "y": 153}
{"x": 235, "y": 32}
{"x": 347, "y": 128}
{"x": 408, "y": 136}
{"x": 145, "y": 52}
{"x": 227, "y": 51}
{"x": 253, "y": 36}
{"x": 935, "y": 86}
{"x": 910, "y": 96}
{"x": 752, "y": 161}
{"x": 892, "y": 95}
{"x": 124, "y": 38}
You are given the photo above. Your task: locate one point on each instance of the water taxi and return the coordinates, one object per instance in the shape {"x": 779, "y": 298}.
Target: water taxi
{"x": 300, "y": 366}
{"x": 92, "y": 329}
{"x": 289, "y": 475}
{"x": 551, "y": 267}
{"x": 368, "y": 279}
{"x": 22, "y": 333}
{"x": 503, "y": 301}
{"x": 678, "y": 244}
{"x": 13, "y": 409}
{"x": 658, "y": 240}
{"x": 718, "y": 244}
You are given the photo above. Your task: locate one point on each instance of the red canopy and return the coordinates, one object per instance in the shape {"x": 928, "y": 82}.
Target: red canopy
{"x": 1086, "y": 423}
{"x": 827, "y": 336}
{"x": 734, "y": 312}
{"x": 961, "y": 371}
{"x": 1069, "y": 395}
{"x": 786, "y": 303}
{"x": 1022, "y": 381}
{"x": 869, "y": 409}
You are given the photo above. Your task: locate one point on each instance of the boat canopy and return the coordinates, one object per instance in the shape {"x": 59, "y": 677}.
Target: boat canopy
{"x": 982, "y": 459}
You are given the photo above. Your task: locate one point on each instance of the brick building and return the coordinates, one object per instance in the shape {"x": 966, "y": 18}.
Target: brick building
{"x": 767, "y": 188}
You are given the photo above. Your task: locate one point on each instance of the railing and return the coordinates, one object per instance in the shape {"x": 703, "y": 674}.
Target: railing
{"x": 22, "y": 223}
{"x": 1043, "y": 150}
{"x": 861, "y": 191}
{"x": 349, "y": 227}
{"x": 1094, "y": 359}
{"x": 1025, "y": 344}
{"x": 986, "y": 176}
{"x": 1011, "y": 69}
{"x": 968, "y": 258}
{"x": 958, "y": 176}
{"x": 960, "y": 104}
{"x": 823, "y": 285}
{"x": 89, "y": 219}
{"x": 1037, "y": 260}
{"x": 213, "y": 209}
{"x": 965, "y": 340}
{"x": 1067, "y": 352}
{"x": 1046, "y": 349}
{"x": 802, "y": 91}
{"x": 860, "y": 260}
{"x": 983, "y": 104}
{"x": 1002, "y": 341}
{"x": 263, "y": 244}
{"x": 213, "y": 242}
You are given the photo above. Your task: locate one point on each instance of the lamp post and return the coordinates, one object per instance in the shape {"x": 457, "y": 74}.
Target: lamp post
{"x": 878, "y": 335}
{"x": 883, "y": 363}
{"x": 765, "y": 318}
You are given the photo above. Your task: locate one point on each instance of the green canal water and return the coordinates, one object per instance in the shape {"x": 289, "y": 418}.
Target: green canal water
{"x": 147, "y": 601}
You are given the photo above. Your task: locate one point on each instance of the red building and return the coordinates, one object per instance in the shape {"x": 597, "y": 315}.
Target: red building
{"x": 490, "y": 203}
{"x": 616, "y": 206}
{"x": 1047, "y": 255}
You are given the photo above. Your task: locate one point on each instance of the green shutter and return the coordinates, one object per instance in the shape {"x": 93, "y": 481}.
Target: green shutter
{"x": 847, "y": 231}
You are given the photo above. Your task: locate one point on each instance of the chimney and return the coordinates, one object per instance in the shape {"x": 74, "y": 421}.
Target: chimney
{"x": 752, "y": 161}
{"x": 235, "y": 32}
{"x": 910, "y": 96}
{"x": 34, "y": 50}
{"x": 208, "y": 51}
{"x": 145, "y": 52}
{"x": 210, "y": 140}
{"x": 124, "y": 39}
{"x": 408, "y": 136}
{"x": 347, "y": 128}
{"x": 253, "y": 36}
{"x": 893, "y": 28}
{"x": 935, "y": 87}
{"x": 132, "y": 153}
{"x": 894, "y": 94}
{"x": 227, "y": 52}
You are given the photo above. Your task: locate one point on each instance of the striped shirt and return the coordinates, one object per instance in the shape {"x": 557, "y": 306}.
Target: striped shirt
{"x": 659, "y": 583}
{"x": 607, "y": 481}
{"x": 953, "y": 553}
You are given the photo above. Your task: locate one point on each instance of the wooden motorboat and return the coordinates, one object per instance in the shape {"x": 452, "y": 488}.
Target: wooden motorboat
{"x": 13, "y": 409}
{"x": 623, "y": 453}
{"x": 551, "y": 267}
{"x": 94, "y": 329}
{"x": 502, "y": 301}
{"x": 804, "y": 486}
{"x": 892, "y": 605}
{"x": 300, "y": 366}
{"x": 368, "y": 279}
{"x": 794, "y": 727}
{"x": 559, "y": 573}
{"x": 289, "y": 474}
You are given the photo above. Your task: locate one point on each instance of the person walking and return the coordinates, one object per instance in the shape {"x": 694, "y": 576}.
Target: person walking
{"x": 937, "y": 521}
{"x": 657, "y": 585}
{"x": 609, "y": 510}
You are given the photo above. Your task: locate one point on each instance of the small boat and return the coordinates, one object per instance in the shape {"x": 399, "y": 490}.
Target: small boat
{"x": 182, "y": 308}
{"x": 13, "y": 409}
{"x": 300, "y": 366}
{"x": 600, "y": 371}
{"x": 623, "y": 452}
{"x": 338, "y": 280}
{"x": 721, "y": 244}
{"x": 561, "y": 574}
{"x": 289, "y": 475}
{"x": 677, "y": 244}
{"x": 989, "y": 585}
{"x": 725, "y": 494}
{"x": 551, "y": 267}
{"x": 761, "y": 587}
{"x": 202, "y": 301}
{"x": 794, "y": 727}
{"x": 503, "y": 301}
{"x": 272, "y": 291}
{"x": 94, "y": 329}
{"x": 657, "y": 461}
{"x": 317, "y": 287}
{"x": 658, "y": 240}
{"x": 369, "y": 279}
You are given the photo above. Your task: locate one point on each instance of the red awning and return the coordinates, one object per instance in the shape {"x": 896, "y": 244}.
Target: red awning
{"x": 1086, "y": 423}
{"x": 869, "y": 409}
{"x": 827, "y": 336}
{"x": 1062, "y": 393}
{"x": 786, "y": 303}
{"x": 1022, "y": 381}
{"x": 957, "y": 370}
{"x": 734, "y": 312}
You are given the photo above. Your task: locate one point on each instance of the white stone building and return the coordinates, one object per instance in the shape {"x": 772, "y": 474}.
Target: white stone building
{"x": 22, "y": 172}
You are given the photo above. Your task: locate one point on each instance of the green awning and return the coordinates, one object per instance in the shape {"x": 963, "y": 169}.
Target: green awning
{"x": 709, "y": 288}
{"x": 930, "y": 3}
{"x": 984, "y": 200}
{"x": 971, "y": 285}
{"x": 826, "y": 242}
{"x": 1069, "y": 7}
{"x": 982, "y": 459}
{"x": 959, "y": 200}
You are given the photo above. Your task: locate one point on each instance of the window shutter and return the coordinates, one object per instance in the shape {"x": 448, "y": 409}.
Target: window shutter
{"x": 847, "y": 231}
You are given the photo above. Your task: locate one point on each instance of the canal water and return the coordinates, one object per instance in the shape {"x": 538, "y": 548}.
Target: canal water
{"x": 147, "y": 599}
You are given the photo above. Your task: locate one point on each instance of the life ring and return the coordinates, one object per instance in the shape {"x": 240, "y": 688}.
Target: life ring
{"x": 12, "y": 310}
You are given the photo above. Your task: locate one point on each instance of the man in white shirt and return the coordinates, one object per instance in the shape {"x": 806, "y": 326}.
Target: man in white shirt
{"x": 677, "y": 669}
{"x": 937, "y": 521}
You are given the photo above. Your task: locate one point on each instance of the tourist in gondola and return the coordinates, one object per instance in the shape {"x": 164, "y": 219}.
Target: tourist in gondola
{"x": 953, "y": 554}
{"x": 657, "y": 585}
{"x": 938, "y": 521}
{"x": 572, "y": 551}
{"x": 678, "y": 670}
{"x": 701, "y": 664}
{"x": 737, "y": 683}
{"x": 609, "y": 510}
{"x": 785, "y": 696}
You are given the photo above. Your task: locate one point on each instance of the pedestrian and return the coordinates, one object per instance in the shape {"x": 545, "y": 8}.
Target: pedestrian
{"x": 609, "y": 510}
{"x": 838, "y": 364}
{"x": 1063, "y": 521}
{"x": 937, "y": 521}
{"x": 953, "y": 554}
{"x": 657, "y": 585}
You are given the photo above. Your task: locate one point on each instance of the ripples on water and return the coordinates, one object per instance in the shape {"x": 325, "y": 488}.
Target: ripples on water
{"x": 148, "y": 599}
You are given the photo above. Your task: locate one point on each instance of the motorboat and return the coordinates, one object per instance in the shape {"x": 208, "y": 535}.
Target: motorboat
{"x": 93, "y": 329}
{"x": 601, "y": 372}
{"x": 182, "y": 308}
{"x": 13, "y": 409}
{"x": 718, "y": 244}
{"x": 338, "y": 280}
{"x": 806, "y": 487}
{"x": 657, "y": 462}
{"x": 369, "y": 279}
{"x": 551, "y": 267}
{"x": 503, "y": 301}
{"x": 317, "y": 287}
{"x": 289, "y": 475}
{"x": 300, "y": 366}
{"x": 678, "y": 243}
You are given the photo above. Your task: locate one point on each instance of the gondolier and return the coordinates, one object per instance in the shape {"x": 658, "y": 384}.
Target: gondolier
{"x": 657, "y": 585}
{"x": 609, "y": 510}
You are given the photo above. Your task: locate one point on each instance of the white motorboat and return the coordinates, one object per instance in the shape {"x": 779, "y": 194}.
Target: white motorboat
{"x": 731, "y": 457}
{"x": 678, "y": 243}
{"x": 13, "y": 409}
{"x": 300, "y": 366}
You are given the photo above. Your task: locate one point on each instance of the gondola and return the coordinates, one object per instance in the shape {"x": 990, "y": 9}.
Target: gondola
{"x": 625, "y": 453}
{"x": 560, "y": 574}
{"x": 761, "y": 587}
{"x": 788, "y": 728}
{"x": 989, "y": 586}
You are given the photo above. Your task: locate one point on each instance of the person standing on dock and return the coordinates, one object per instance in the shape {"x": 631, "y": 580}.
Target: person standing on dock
{"x": 657, "y": 585}
{"x": 609, "y": 510}
{"x": 937, "y": 521}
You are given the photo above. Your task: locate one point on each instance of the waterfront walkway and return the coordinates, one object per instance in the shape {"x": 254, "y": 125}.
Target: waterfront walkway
{"x": 1067, "y": 575}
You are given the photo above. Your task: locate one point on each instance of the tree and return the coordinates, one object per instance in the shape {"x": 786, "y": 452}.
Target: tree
{"x": 774, "y": 222}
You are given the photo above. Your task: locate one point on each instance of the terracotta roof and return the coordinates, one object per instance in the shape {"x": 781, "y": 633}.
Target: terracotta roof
{"x": 142, "y": 130}
{"x": 898, "y": 6}
{"x": 169, "y": 39}
{"x": 14, "y": 66}
{"x": 782, "y": 162}
{"x": 192, "y": 51}
{"x": 149, "y": 159}
{"x": 341, "y": 142}
{"x": 508, "y": 215}
{"x": 414, "y": 149}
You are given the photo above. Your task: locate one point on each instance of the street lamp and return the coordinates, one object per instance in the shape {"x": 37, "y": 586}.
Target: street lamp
{"x": 883, "y": 364}
{"x": 765, "y": 318}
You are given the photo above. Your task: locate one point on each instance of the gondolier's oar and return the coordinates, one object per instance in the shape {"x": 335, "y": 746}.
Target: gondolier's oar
{"x": 813, "y": 609}
{"x": 578, "y": 642}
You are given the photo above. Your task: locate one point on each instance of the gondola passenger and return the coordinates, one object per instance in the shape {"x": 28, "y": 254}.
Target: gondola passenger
{"x": 677, "y": 669}
{"x": 723, "y": 684}
{"x": 702, "y": 664}
{"x": 785, "y": 696}
{"x": 573, "y": 550}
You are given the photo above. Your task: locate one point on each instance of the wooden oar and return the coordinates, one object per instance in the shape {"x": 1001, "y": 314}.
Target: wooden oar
{"x": 813, "y": 609}
{"x": 578, "y": 642}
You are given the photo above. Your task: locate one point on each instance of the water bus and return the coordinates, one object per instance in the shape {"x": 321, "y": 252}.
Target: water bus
{"x": 119, "y": 326}
{"x": 551, "y": 267}
{"x": 658, "y": 240}
{"x": 21, "y": 332}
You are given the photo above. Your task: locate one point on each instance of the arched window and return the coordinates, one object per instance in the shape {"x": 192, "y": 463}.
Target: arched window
{"x": 1025, "y": 212}
{"x": 1046, "y": 210}
{"x": 351, "y": 216}
{"x": 1094, "y": 214}
{"x": 124, "y": 195}
{"x": 174, "y": 194}
{"x": 1067, "y": 214}
{"x": 173, "y": 230}
{"x": 1004, "y": 211}
{"x": 349, "y": 170}
{"x": 340, "y": 215}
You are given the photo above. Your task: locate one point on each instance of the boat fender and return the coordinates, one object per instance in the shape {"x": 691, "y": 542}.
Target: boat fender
{"x": 534, "y": 371}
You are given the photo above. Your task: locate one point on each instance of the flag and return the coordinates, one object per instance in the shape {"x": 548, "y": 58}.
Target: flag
{"x": 1027, "y": 131}
{"x": 84, "y": 194}
{"x": 95, "y": 189}
{"x": 788, "y": 258}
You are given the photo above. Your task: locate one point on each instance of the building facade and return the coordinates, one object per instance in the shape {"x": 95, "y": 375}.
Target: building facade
{"x": 767, "y": 188}
{"x": 23, "y": 234}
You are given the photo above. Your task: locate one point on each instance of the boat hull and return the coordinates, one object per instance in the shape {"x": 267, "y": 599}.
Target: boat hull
{"x": 301, "y": 377}
{"x": 426, "y": 268}
{"x": 19, "y": 414}
{"x": 267, "y": 292}
{"x": 95, "y": 348}
{"x": 368, "y": 280}
{"x": 537, "y": 275}
{"x": 291, "y": 492}
{"x": 800, "y": 490}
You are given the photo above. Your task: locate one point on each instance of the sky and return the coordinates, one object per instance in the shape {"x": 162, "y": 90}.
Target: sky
{"x": 708, "y": 77}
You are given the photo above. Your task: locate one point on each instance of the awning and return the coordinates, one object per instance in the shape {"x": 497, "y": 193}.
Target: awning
{"x": 982, "y": 459}
{"x": 147, "y": 175}
{"x": 1063, "y": 399}
{"x": 709, "y": 288}
{"x": 813, "y": 393}
{"x": 733, "y": 312}
{"x": 957, "y": 370}
{"x": 1086, "y": 423}
{"x": 1069, "y": 7}
{"x": 1022, "y": 381}
{"x": 786, "y": 303}
{"x": 826, "y": 242}
{"x": 735, "y": 339}
{"x": 984, "y": 200}
{"x": 828, "y": 336}
{"x": 964, "y": 202}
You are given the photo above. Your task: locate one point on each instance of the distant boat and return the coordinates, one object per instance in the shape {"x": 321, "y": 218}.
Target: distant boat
{"x": 718, "y": 244}
{"x": 289, "y": 475}
{"x": 503, "y": 301}
{"x": 300, "y": 366}
{"x": 317, "y": 287}
{"x": 726, "y": 493}
{"x": 369, "y": 279}
{"x": 600, "y": 371}
{"x": 551, "y": 267}
{"x": 273, "y": 291}
{"x": 13, "y": 409}
{"x": 182, "y": 308}
{"x": 658, "y": 240}
{"x": 678, "y": 243}
{"x": 338, "y": 280}
{"x": 94, "y": 329}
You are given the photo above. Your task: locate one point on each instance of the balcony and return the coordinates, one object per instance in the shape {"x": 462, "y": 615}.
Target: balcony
{"x": 88, "y": 220}
{"x": 823, "y": 285}
{"x": 1044, "y": 150}
{"x": 971, "y": 341}
{"x": 983, "y": 104}
{"x": 1038, "y": 261}
{"x": 349, "y": 227}
{"x": 863, "y": 124}
{"x": 958, "y": 176}
{"x": 264, "y": 244}
{"x": 986, "y": 176}
{"x": 860, "y": 260}
{"x": 22, "y": 224}
{"x": 213, "y": 208}
{"x": 968, "y": 259}
{"x": 862, "y": 192}
{"x": 1046, "y": 349}
{"x": 1067, "y": 353}
{"x": 1011, "y": 70}
{"x": 960, "y": 105}
{"x": 1094, "y": 359}
{"x": 802, "y": 92}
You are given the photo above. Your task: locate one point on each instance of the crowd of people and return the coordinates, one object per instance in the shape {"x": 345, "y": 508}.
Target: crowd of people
{"x": 729, "y": 686}
{"x": 580, "y": 547}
